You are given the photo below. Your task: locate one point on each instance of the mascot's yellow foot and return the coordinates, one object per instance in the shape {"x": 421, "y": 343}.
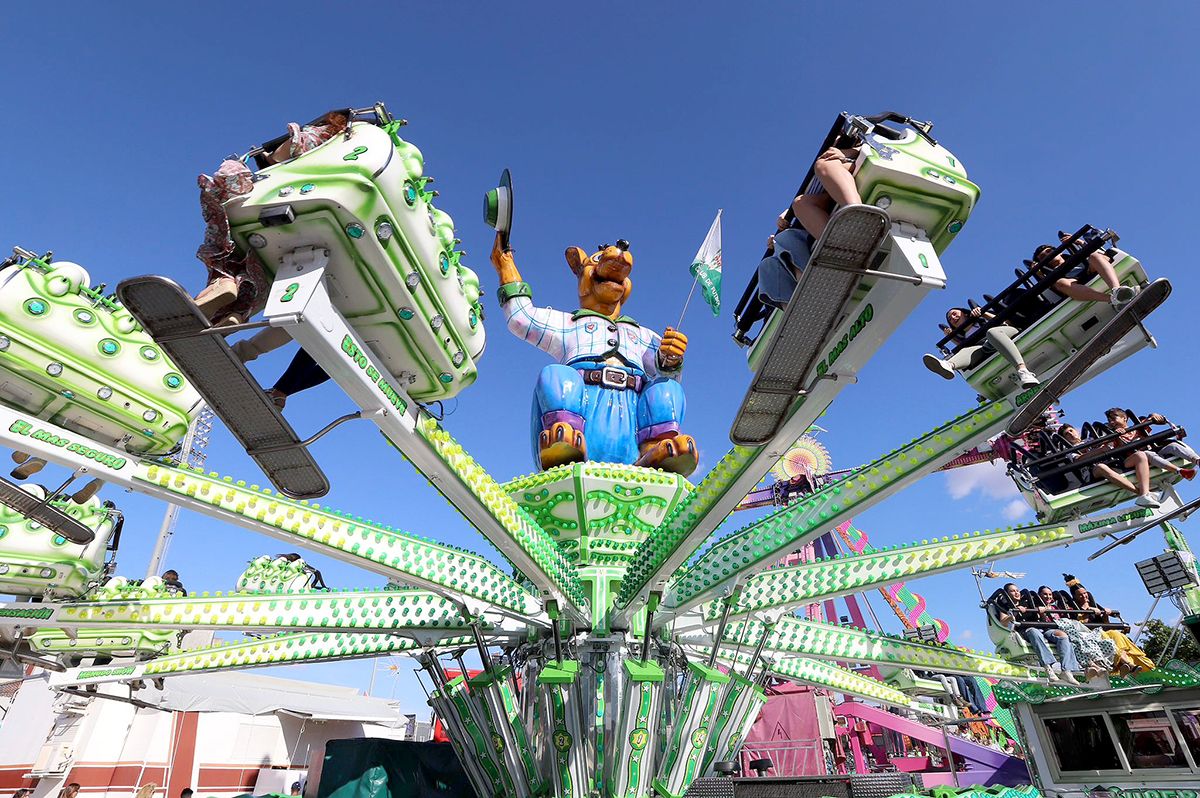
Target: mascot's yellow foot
{"x": 677, "y": 454}
{"x": 561, "y": 444}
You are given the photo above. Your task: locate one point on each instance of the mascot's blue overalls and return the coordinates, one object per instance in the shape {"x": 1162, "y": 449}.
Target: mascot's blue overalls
{"x": 608, "y": 382}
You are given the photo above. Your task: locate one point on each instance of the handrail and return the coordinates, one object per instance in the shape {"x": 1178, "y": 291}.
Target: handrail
{"x": 1022, "y": 289}
{"x": 1106, "y": 454}
{"x": 1086, "y": 444}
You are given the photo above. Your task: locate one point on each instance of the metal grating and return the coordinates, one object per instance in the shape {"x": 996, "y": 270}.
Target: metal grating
{"x": 165, "y": 310}
{"x": 824, "y": 290}
{"x": 36, "y": 509}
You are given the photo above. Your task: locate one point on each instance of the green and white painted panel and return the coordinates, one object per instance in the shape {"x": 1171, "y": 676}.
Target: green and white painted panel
{"x": 565, "y": 727}
{"x": 847, "y": 644}
{"x": 763, "y": 542}
{"x": 77, "y": 359}
{"x": 740, "y": 705}
{"x": 688, "y": 738}
{"x": 395, "y": 270}
{"x": 629, "y": 769}
{"x": 36, "y": 562}
{"x": 598, "y": 513}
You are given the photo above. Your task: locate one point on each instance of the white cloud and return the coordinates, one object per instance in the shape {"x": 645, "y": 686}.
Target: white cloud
{"x": 1015, "y": 509}
{"x": 965, "y": 634}
{"x": 988, "y": 479}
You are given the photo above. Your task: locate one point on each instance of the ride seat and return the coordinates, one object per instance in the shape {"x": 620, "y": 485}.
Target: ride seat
{"x": 1053, "y": 338}
{"x": 1009, "y": 644}
{"x": 36, "y": 562}
{"x": 394, "y": 271}
{"x": 901, "y": 170}
{"x": 75, "y": 358}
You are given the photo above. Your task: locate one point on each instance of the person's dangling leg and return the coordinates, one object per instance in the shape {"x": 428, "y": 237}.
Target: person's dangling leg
{"x": 1044, "y": 654}
{"x": 1066, "y": 653}
{"x": 1180, "y": 449}
{"x": 300, "y": 375}
{"x": 260, "y": 343}
{"x": 1102, "y": 471}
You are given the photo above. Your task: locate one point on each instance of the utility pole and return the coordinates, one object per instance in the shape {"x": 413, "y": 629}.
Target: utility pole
{"x": 193, "y": 452}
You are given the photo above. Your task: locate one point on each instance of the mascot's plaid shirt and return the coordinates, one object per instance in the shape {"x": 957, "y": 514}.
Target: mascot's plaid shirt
{"x": 585, "y": 336}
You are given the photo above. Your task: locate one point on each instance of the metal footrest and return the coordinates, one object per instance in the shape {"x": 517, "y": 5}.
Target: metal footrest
{"x": 851, "y": 239}
{"x": 35, "y": 509}
{"x": 1130, "y": 316}
{"x": 177, "y": 325}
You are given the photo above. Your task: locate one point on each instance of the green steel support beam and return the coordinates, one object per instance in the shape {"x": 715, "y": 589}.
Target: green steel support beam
{"x": 807, "y": 583}
{"x": 795, "y": 637}
{"x": 281, "y": 649}
{"x": 762, "y": 543}
{"x": 413, "y": 613}
{"x": 815, "y": 672}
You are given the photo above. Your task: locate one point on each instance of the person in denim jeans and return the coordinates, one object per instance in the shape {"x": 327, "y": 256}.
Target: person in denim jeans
{"x": 788, "y": 252}
{"x": 1060, "y": 667}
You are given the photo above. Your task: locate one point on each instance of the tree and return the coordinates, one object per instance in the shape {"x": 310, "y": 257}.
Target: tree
{"x": 1154, "y": 641}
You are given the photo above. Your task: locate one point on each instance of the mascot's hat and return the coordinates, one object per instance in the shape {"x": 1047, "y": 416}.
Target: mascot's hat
{"x": 498, "y": 205}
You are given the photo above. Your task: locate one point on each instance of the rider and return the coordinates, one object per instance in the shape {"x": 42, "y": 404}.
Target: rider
{"x": 1041, "y": 639}
{"x": 834, "y": 168}
{"x": 1135, "y": 460}
{"x": 1118, "y": 418}
{"x": 1073, "y": 283}
{"x": 962, "y": 322}
{"x": 1130, "y": 658}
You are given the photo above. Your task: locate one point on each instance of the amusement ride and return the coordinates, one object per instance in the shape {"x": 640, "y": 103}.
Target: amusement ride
{"x": 627, "y": 643}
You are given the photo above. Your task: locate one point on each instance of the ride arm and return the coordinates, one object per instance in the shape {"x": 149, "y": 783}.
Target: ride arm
{"x": 277, "y": 650}
{"x": 412, "y": 613}
{"x": 815, "y": 672}
{"x": 795, "y": 637}
{"x": 760, "y": 544}
{"x": 807, "y": 583}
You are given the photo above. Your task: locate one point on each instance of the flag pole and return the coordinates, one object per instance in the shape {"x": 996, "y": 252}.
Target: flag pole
{"x": 687, "y": 302}
{"x": 692, "y": 290}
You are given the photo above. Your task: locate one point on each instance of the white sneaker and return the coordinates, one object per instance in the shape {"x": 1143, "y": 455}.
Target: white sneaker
{"x": 1121, "y": 295}
{"x": 1146, "y": 500}
{"x": 938, "y": 366}
{"x": 1055, "y": 671}
{"x": 1027, "y": 378}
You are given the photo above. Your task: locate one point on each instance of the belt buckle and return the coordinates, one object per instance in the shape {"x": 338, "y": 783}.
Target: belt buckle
{"x": 613, "y": 378}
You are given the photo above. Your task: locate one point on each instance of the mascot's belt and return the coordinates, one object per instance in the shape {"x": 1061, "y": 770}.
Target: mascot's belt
{"x": 612, "y": 378}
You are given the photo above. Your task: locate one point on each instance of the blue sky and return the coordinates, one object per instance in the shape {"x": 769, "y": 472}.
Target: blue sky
{"x": 631, "y": 121}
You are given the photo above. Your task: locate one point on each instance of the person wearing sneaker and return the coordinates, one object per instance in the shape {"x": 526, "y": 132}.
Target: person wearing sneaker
{"x": 1136, "y": 460}
{"x": 961, "y": 323}
{"x": 1074, "y": 283}
{"x": 1117, "y": 418}
{"x": 28, "y": 466}
{"x": 1118, "y": 422}
{"x": 1060, "y": 667}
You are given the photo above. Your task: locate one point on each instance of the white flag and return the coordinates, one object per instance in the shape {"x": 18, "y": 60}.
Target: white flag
{"x": 706, "y": 266}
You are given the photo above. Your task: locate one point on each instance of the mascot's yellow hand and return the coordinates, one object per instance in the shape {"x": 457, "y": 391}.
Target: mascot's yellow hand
{"x": 674, "y": 344}
{"x": 501, "y": 257}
